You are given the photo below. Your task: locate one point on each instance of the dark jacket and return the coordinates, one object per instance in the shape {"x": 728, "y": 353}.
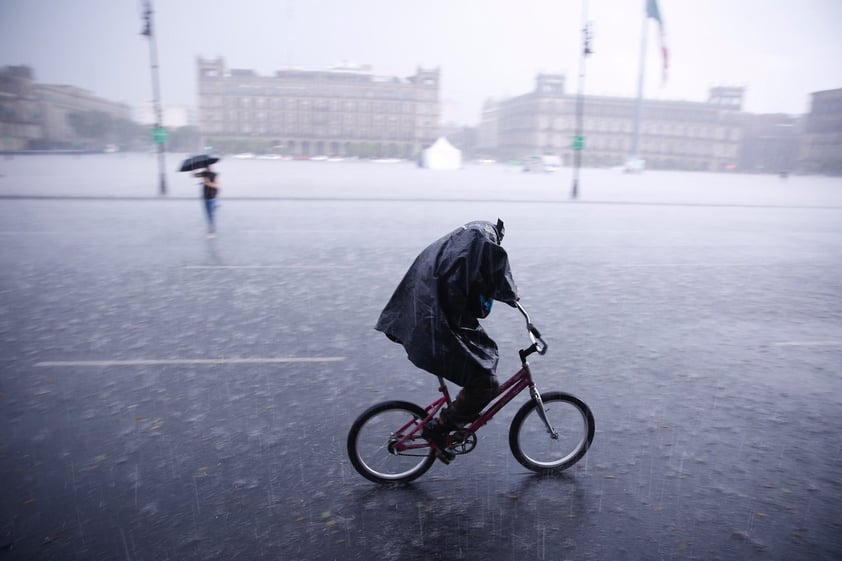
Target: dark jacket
{"x": 435, "y": 309}
{"x": 209, "y": 192}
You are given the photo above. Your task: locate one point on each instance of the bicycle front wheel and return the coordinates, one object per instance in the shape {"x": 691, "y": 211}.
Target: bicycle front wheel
{"x": 536, "y": 448}
{"x": 377, "y": 447}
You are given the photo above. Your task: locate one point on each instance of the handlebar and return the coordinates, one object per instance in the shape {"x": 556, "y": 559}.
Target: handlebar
{"x": 538, "y": 343}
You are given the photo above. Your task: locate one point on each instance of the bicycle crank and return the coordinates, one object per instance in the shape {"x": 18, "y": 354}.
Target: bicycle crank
{"x": 463, "y": 441}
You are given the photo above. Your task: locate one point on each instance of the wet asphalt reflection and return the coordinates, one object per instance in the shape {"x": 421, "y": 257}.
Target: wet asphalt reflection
{"x": 169, "y": 396}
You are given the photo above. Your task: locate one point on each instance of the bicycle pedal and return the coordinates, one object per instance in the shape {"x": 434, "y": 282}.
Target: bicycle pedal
{"x": 444, "y": 456}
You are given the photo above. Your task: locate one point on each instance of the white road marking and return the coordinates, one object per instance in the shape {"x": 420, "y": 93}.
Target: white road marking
{"x": 297, "y": 266}
{"x": 342, "y": 266}
{"x": 807, "y": 344}
{"x": 157, "y": 362}
{"x": 684, "y": 264}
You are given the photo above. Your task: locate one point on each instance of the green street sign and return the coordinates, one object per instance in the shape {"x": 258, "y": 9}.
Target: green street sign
{"x": 159, "y": 135}
{"x": 578, "y": 142}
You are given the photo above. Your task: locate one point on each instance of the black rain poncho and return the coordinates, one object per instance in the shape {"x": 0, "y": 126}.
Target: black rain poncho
{"x": 434, "y": 311}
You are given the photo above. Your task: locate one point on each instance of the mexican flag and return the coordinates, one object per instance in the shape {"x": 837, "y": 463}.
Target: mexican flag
{"x": 653, "y": 12}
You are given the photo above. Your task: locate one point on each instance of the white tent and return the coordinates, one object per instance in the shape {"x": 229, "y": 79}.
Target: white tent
{"x": 441, "y": 156}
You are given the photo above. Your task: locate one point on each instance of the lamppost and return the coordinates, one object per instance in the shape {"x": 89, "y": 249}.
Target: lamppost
{"x": 159, "y": 134}
{"x": 579, "y": 139}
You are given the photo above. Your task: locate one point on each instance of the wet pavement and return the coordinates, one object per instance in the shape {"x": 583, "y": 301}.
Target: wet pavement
{"x": 168, "y": 396}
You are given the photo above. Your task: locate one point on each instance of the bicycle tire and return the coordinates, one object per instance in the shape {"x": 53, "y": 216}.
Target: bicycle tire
{"x": 369, "y": 444}
{"x": 534, "y": 447}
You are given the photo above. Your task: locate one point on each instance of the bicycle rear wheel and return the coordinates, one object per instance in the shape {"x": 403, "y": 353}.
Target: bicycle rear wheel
{"x": 533, "y": 445}
{"x": 372, "y": 438}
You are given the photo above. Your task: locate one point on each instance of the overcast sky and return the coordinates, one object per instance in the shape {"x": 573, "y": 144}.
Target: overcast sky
{"x": 780, "y": 50}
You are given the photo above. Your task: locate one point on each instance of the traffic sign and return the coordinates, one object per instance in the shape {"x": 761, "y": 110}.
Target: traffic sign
{"x": 159, "y": 135}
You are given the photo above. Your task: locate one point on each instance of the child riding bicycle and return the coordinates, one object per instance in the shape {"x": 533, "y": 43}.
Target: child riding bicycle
{"x": 434, "y": 313}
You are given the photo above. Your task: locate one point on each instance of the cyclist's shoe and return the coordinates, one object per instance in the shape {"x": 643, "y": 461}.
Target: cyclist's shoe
{"x": 437, "y": 435}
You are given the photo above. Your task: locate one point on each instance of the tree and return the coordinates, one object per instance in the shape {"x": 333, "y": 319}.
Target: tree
{"x": 90, "y": 125}
{"x": 184, "y": 139}
{"x": 99, "y": 128}
{"x": 128, "y": 134}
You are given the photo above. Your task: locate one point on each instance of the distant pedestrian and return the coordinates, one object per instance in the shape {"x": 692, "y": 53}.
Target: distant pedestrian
{"x": 210, "y": 189}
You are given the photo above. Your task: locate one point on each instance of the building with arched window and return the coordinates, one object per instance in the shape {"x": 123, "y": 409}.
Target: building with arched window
{"x": 36, "y": 116}
{"x": 821, "y": 141}
{"x": 344, "y": 111}
{"x": 673, "y": 134}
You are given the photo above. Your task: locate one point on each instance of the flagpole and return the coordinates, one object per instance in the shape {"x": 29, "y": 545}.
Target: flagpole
{"x": 149, "y": 32}
{"x": 635, "y": 151}
{"x": 578, "y": 141}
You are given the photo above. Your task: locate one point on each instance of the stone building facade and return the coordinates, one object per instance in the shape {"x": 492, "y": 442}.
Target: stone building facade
{"x": 769, "y": 143}
{"x": 685, "y": 135}
{"x": 821, "y": 139}
{"x": 35, "y": 115}
{"x": 20, "y": 123}
{"x": 345, "y": 111}
{"x": 56, "y": 102}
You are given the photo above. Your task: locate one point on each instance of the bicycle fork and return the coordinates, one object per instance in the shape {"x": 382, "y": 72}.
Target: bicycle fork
{"x": 542, "y": 412}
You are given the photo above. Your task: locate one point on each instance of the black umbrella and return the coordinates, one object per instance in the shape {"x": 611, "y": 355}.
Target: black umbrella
{"x": 197, "y": 162}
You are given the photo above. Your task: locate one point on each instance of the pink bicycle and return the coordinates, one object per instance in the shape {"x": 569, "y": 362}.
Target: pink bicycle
{"x": 551, "y": 432}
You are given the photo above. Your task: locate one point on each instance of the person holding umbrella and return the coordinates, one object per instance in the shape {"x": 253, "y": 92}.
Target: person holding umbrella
{"x": 210, "y": 188}
{"x": 210, "y": 185}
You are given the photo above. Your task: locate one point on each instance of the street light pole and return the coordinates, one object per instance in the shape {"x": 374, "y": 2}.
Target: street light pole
{"x": 158, "y": 133}
{"x": 578, "y": 139}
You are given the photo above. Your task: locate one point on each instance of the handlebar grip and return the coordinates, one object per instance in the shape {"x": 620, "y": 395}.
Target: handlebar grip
{"x": 541, "y": 345}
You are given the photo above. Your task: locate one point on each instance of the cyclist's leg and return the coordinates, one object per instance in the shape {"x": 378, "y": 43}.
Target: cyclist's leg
{"x": 480, "y": 388}
{"x": 474, "y": 396}
{"x": 478, "y": 392}
{"x": 437, "y": 435}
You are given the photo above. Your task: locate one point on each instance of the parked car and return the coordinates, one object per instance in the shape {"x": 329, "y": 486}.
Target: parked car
{"x": 542, "y": 164}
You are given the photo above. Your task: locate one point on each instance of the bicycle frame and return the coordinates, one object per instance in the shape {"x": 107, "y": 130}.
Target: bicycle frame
{"x": 519, "y": 381}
